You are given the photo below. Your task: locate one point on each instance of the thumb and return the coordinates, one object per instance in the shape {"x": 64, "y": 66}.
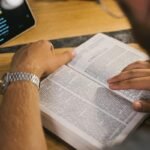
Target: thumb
{"x": 60, "y": 60}
{"x": 142, "y": 106}
{"x": 64, "y": 58}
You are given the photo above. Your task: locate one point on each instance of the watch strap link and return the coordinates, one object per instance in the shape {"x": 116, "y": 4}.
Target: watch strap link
{"x": 17, "y": 76}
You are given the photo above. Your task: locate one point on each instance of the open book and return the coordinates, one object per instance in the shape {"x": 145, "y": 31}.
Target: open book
{"x": 77, "y": 104}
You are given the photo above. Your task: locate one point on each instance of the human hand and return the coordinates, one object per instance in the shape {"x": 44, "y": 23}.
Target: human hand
{"x": 134, "y": 76}
{"x": 38, "y": 58}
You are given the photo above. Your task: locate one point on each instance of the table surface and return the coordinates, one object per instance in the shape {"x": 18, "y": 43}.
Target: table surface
{"x": 66, "y": 18}
{"x": 59, "y": 19}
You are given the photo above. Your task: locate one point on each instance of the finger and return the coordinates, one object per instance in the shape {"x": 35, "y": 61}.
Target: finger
{"x": 51, "y": 48}
{"x": 60, "y": 59}
{"x": 142, "y": 83}
{"x": 41, "y": 45}
{"x": 148, "y": 61}
{"x": 136, "y": 73}
{"x": 137, "y": 65}
{"x": 142, "y": 106}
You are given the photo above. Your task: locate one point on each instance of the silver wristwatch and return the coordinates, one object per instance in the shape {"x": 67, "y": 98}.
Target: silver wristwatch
{"x": 17, "y": 76}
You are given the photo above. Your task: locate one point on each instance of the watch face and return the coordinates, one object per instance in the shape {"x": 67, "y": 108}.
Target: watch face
{"x": 14, "y": 21}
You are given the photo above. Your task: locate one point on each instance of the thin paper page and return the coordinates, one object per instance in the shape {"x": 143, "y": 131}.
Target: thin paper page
{"x": 102, "y": 57}
{"x": 86, "y": 105}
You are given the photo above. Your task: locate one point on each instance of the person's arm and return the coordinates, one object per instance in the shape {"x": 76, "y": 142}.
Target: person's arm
{"x": 134, "y": 76}
{"x": 20, "y": 121}
{"x": 138, "y": 13}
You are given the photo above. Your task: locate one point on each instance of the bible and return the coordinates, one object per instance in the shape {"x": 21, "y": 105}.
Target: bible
{"x": 77, "y": 104}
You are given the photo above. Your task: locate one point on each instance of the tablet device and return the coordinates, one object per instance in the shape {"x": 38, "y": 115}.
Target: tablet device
{"x": 15, "y": 21}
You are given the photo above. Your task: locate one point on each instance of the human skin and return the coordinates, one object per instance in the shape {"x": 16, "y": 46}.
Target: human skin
{"x": 20, "y": 121}
{"x": 138, "y": 13}
{"x": 137, "y": 74}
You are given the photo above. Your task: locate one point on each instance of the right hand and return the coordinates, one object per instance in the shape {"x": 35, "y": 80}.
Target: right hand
{"x": 134, "y": 76}
{"x": 38, "y": 58}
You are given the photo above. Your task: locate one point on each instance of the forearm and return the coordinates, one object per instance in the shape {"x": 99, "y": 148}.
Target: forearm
{"x": 20, "y": 122}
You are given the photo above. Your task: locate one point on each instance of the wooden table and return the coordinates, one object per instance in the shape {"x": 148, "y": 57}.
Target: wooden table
{"x": 65, "y": 18}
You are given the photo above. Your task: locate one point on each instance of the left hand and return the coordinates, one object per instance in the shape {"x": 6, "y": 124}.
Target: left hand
{"x": 38, "y": 58}
{"x": 134, "y": 76}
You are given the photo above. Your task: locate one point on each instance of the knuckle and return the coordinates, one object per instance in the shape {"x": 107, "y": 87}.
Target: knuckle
{"x": 38, "y": 42}
{"x": 51, "y": 45}
{"x": 46, "y": 44}
{"x": 43, "y": 42}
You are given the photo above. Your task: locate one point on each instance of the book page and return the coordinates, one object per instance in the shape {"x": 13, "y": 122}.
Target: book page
{"x": 94, "y": 110}
{"x": 102, "y": 57}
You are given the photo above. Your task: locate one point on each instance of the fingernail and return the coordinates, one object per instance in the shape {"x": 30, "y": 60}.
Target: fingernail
{"x": 138, "y": 106}
{"x": 109, "y": 80}
{"x": 73, "y": 53}
{"x": 112, "y": 86}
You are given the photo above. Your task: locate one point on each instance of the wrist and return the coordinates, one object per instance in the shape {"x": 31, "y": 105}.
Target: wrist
{"x": 10, "y": 78}
{"x": 19, "y": 85}
{"x": 27, "y": 69}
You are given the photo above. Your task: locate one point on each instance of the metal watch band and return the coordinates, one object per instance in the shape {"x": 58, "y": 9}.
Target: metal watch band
{"x": 18, "y": 76}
